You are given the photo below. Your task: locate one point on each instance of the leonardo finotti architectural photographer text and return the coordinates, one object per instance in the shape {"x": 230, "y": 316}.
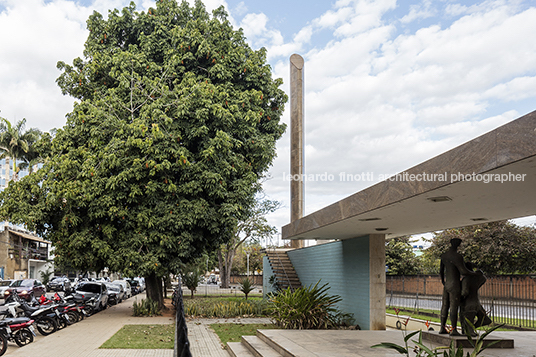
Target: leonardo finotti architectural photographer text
{"x": 406, "y": 177}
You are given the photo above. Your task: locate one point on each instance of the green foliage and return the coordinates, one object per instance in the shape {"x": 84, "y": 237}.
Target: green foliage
{"x": 248, "y": 231}
{"x": 240, "y": 259}
{"x": 18, "y": 144}
{"x": 226, "y": 309}
{"x": 45, "y": 276}
{"x": 146, "y": 307}
{"x": 420, "y": 350}
{"x": 175, "y": 122}
{"x": 246, "y": 287}
{"x": 399, "y": 257}
{"x": 496, "y": 248}
{"x": 191, "y": 277}
{"x": 307, "y": 308}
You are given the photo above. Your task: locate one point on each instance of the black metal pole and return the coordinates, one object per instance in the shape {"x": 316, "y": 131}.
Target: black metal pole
{"x": 182, "y": 345}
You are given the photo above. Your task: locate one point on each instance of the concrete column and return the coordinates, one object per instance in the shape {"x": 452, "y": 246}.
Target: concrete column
{"x": 296, "y": 141}
{"x": 377, "y": 281}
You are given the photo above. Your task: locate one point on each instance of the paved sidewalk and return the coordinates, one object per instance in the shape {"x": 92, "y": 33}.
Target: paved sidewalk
{"x": 204, "y": 341}
{"x": 84, "y": 338}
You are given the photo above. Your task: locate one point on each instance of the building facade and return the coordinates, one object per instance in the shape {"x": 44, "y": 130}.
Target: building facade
{"x": 23, "y": 255}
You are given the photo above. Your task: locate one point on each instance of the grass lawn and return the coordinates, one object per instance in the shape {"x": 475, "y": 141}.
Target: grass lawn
{"x": 427, "y": 317}
{"x": 234, "y": 332}
{"x": 143, "y": 337}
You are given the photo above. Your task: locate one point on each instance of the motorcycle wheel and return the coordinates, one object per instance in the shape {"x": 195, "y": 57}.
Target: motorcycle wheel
{"x": 74, "y": 316}
{"x": 46, "y": 325}
{"x": 23, "y": 337}
{"x": 89, "y": 310}
{"x": 61, "y": 323}
{"x": 3, "y": 344}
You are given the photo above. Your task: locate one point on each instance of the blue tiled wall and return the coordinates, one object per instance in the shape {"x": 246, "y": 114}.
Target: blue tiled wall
{"x": 345, "y": 266}
{"x": 267, "y": 272}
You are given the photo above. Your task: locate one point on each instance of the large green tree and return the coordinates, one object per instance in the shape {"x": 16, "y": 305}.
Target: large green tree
{"x": 496, "y": 248}
{"x": 175, "y": 122}
{"x": 18, "y": 144}
{"x": 400, "y": 258}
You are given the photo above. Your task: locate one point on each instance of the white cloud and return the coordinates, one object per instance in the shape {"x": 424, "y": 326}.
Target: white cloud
{"x": 379, "y": 101}
{"x": 420, "y": 11}
{"x": 39, "y": 36}
{"x": 367, "y": 14}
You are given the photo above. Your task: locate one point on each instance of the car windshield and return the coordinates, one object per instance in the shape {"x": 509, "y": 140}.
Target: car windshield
{"x": 25, "y": 282}
{"x": 5, "y": 283}
{"x": 113, "y": 287}
{"x": 90, "y": 288}
{"x": 134, "y": 283}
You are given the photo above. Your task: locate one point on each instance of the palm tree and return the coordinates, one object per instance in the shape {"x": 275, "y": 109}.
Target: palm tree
{"x": 17, "y": 144}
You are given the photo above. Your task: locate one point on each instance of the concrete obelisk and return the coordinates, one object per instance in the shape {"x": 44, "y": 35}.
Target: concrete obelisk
{"x": 296, "y": 141}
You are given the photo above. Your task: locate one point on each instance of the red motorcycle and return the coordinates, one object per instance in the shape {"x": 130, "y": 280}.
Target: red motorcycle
{"x": 74, "y": 311}
{"x": 17, "y": 329}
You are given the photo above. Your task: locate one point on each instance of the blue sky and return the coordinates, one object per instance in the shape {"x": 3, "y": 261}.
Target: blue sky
{"x": 389, "y": 83}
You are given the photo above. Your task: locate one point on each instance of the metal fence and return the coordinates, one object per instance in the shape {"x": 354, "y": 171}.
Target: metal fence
{"x": 509, "y": 299}
{"x": 182, "y": 345}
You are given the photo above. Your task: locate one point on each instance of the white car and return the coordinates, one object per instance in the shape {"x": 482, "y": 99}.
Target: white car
{"x": 4, "y": 284}
{"x": 126, "y": 287}
{"x": 141, "y": 281}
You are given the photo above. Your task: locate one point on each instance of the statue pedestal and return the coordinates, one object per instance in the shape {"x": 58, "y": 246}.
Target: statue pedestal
{"x": 445, "y": 340}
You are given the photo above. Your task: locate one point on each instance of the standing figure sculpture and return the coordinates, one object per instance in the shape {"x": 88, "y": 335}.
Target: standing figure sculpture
{"x": 451, "y": 269}
{"x": 470, "y": 307}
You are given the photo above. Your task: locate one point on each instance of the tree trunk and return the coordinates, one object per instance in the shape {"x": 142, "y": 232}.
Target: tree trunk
{"x": 167, "y": 285}
{"x": 225, "y": 266}
{"x": 221, "y": 265}
{"x": 154, "y": 289}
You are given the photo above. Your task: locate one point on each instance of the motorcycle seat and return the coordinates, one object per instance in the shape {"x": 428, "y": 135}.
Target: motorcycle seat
{"x": 14, "y": 321}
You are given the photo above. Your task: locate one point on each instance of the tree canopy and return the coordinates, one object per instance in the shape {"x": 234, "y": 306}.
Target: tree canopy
{"x": 175, "y": 122}
{"x": 496, "y": 248}
{"x": 18, "y": 144}
{"x": 400, "y": 258}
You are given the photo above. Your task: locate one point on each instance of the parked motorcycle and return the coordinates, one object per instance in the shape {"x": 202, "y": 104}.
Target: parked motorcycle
{"x": 19, "y": 330}
{"x": 44, "y": 316}
{"x": 87, "y": 306}
{"x": 3, "y": 342}
{"x": 66, "y": 306}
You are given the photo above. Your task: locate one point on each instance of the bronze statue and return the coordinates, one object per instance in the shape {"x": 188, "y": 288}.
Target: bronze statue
{"x": 451, "y": 269}
{"x": 470, "y": 307}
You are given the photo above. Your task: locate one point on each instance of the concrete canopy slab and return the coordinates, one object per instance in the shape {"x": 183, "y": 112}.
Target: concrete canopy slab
{"x": 439, "y": 199}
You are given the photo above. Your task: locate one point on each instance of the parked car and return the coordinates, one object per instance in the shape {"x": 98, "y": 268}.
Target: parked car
{"x": 4, "y": 284}
{"x": 26, "y": 288}
{"x": 126, "y": 287}
{"x": 59, "y": 284}
{"x": 141, "y": 282}
{"x": 212, "y": 279}
{"x": 134, "y": 287}
{"x": 116, "y": 293}
{"x": 88, "y": 290}
{"x": 74, "y": 283}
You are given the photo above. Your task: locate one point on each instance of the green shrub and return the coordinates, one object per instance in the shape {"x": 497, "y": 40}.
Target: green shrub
{"x": 225, "y": 309}
{"x": 307, "y": 308}
{"x": 146, "y": 307}
{"x": 246, "y": 287}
